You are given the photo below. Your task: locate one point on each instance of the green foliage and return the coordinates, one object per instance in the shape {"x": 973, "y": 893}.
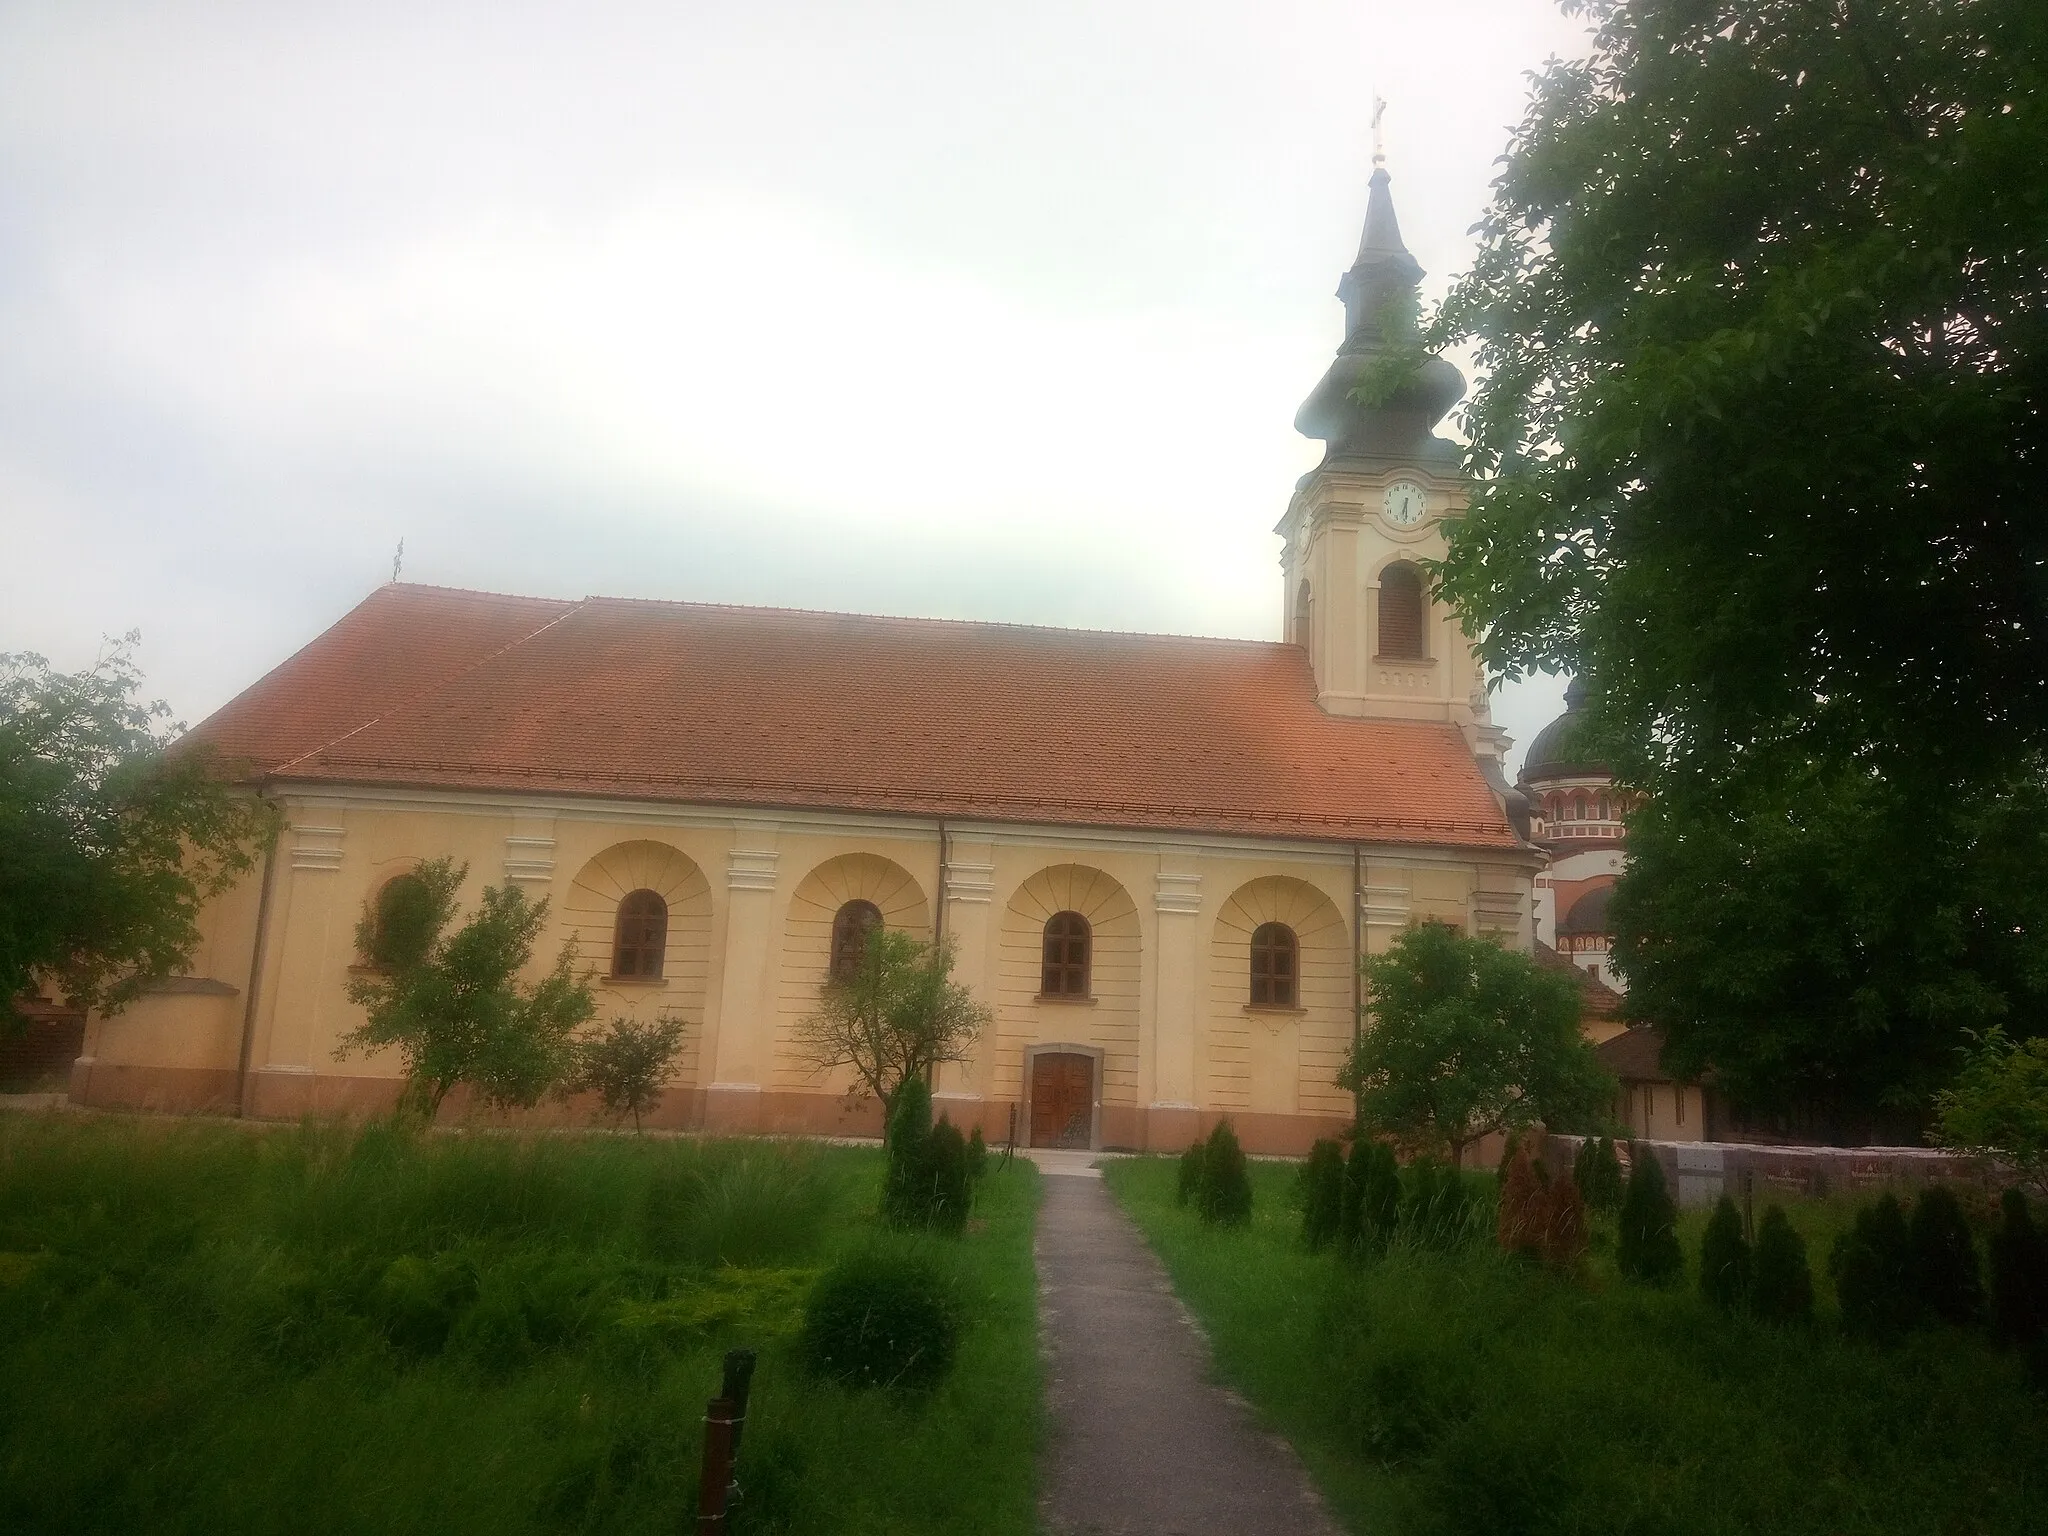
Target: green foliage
{"x": 1519, "y": 1215}
{"x": 1872, "y": 1267}
{"x": 460, "y": 1013}
{"x": 1322, "y": 1205}
{"x": 977, "y": 1154}
{"x": 1564, "y": 1236}
{"x": 896, "y": 1018}
{"x": 1225, "y": 1194}
{"x": 628, "y": 1065}
{"x": 1597, "y": 1171}
{"x": 1379, "y": 1196}
{"x": 1946, "y": 1281}
{"x": 208, "y": 1327}
{"x": 1189, "y": 1188}
{"x": 1998, "y": 1106}
{"x": 2019, "y": 1274}
{"x": 1781, "y": 1290}
{"x": 408, "y": 916}
{"x": 906, "y": 1194}
{"x": 881, "y": 1317}
{"x": 1437, "y": 1211}
{"x": 948, "y": 1178}
{"x": 1757, "y": 313}
{"x": 1468, "y": 1039}
{"x": 1726, "y": 1265}
{"x": 1646, "y": 1249}
{"x": 1459, "y": 1393}
{"x": 112, "y": 837}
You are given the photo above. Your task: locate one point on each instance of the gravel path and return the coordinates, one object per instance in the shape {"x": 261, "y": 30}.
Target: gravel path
{"x": 1141, "y": 1442}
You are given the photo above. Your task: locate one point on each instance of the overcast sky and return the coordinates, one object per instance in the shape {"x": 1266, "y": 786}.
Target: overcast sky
{"x": 929, "y": 308}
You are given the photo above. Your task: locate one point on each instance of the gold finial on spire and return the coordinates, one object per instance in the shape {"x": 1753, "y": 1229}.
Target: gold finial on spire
{"x": 1379, "y": 143}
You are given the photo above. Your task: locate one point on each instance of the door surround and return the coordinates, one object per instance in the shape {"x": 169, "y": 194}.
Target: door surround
{"x": 1094, "y": 1054}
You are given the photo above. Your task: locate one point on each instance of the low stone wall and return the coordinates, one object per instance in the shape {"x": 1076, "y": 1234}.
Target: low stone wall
{"x": 1700, "y": 1172}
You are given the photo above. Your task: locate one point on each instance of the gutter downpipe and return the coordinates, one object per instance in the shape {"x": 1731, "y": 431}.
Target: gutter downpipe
{"x": 1357, "y": 965}
{"x": 256, "y": 969}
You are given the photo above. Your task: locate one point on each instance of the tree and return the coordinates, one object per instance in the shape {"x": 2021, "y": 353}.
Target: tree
{"x": 1597, "y": 1172}
{"x": 1726, "y": 1265}
{"x": 896, "y": 1018}
{"x": 459, "y": 1012}
{"x": 1225, "y": 1194}
{"x": 1467, "y": 1039}
{"x": 1872, "y": 1267}
{"x": 627, "y": 1066}
{"x": 1782, "y": 1285}
{"x": 2019, "y": 1274}
{"x": 113, "y": 834}
{"x": 1646, "y": 1248}
{"x": 1998, "y": 1107}
{"x": 1760, "y": 320}
{"x": 906, "y": 1196}
{"x": 1322, "y": 1195}
{"x": 1946, "y": 1281}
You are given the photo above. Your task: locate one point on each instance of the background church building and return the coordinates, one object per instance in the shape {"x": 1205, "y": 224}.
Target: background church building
{"x": 1159, "y": 858}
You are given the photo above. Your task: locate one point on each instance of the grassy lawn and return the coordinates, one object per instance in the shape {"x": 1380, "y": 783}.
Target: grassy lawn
{"x": 1464, "y": 1392}
{"x": 216, "y": 1328}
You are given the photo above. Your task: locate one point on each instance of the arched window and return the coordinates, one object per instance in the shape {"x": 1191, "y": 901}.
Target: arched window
{"x": 1275, "y": 966}
{"x": 851, "y": 926}
{"x": 640, "y": 937}
{"x": 404, "y": 924}
{"x": 1401, "y": 612}
{"x": 1604, "y": 809}
{"x": 1067, "y": 945}
{"x": 1304, "y": 613}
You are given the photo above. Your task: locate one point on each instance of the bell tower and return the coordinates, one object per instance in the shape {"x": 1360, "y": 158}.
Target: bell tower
{"x": 1361, "y": 520}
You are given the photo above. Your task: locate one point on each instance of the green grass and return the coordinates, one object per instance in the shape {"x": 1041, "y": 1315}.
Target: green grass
{"x": 1465, "y": 1392}
{"x": 216, "y": 1328}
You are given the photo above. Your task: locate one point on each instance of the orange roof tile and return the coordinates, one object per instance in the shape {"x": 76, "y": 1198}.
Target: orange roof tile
{"x": 705, "y": 704}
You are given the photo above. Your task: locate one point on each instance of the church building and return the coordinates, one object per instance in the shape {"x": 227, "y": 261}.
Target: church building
{"x": 1159, "y": 858}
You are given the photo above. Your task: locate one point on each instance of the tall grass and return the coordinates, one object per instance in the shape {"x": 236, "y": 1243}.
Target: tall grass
{"x": 217, "y": 1328}
{"x": 1465, "y": 1392}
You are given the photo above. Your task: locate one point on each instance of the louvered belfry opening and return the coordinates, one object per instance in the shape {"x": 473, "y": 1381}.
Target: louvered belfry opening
{"x": 1401, "y": 610}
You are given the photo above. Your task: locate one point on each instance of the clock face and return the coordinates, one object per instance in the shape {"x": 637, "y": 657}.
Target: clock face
{"x": 1406, "y": 503}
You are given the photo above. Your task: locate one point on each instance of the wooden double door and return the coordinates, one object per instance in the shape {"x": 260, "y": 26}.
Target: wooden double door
{"x": 1062, "y": 1099}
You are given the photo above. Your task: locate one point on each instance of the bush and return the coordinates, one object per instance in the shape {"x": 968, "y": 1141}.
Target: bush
{"x": 1597, "y": 1172}
{"x": 2019, "y": 1275}
{"x": 1381, "y": 1210}
{"x": 1437, "y": 1211}
{"x": 1226, "y": 1189}
{"x": 880, "y": 1318}
{"x": 1725, "y": 1263}
{"x": 1872, "y": 1267}
{"x": 1189, "y": 1189}
{"x": 1351, "y": 1227}
{"x": 948, "y": 1186}
{"x": 905, "y": 1197}
{"x": 1781, "y": 1285}
{"x": 1648, "y": 1251}
{"x": 1946, "y": 1281}
{"x": 1561, "y": 1227}
{"x": 627, "y": 1066}
{"x": 977, "y": 1155}
{"x": 1518, "y": 1224}
{"x": 1322, "y": 1206}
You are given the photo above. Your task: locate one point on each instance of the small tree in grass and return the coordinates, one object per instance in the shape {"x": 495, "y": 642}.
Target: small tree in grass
{"x": 1351, "y": 1215}
{"x": 1519, "y": 1215}
{"x": 1436, "y": 1208}
{"x": 1947, "y": 1282}
{"x": 455, "y": 1007}
{"x": 1468, "y": 1039}
{"x": 1322, "y": 1205}
{"x": 2019, "y": 1274}
{"x": 628, "y": 1065}
{"x": 1998, "y": 1106}
{"x": 1781, "y": 1287}
{"x": 1225, "y": 1197}
{"x": 1872, "y": 1267}
{"x": 895, "y": 1019}
{"x": 1647, "y": 1249}
{"x": 1725, "y": 1261}
{"x": 1188, "y": 1191}
{"x": 1597, "y": 1172}
{"x": 977, "y": 1154}
{"x": 905, "y": 1201}
{"x": 1562, "y": 1234}
{"x": 1381, "y": 1211}
{"x": 948, "y": 1186}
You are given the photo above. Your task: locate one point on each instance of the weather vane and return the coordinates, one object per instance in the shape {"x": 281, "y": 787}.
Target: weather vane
{"x": 1379, "y": 143}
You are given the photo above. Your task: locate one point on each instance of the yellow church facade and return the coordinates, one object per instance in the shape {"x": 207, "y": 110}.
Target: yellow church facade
{"x": 1158, "y": 859}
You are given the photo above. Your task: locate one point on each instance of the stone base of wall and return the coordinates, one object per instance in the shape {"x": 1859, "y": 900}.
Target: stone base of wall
{"x": 1700, "y": 1172}
{"x": 721, "y": 1109}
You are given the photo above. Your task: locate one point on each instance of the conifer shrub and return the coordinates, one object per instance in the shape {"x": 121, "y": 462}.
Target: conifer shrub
{"x": 1381, "y": 1212}
{"x": 1561, "y": 1220}
{"x": 1351, "y": 1223}
{"x": 1225, "y": 1196}
{"x": 2019, "y": 1275}
{"x": 1597, "y": 1172}
{"x": 880, "y": 1318}
{"x": 1947, "y": 1283}
{"x": 1872, "y": 1267}
{"x": 977, "y": 1155}
{"x": 1322, "y": 1205}
{"x": 906, "y": 1200}
{"x": 948, "y": 1186}
{"x": 1781, "y": 1284}
{"x": 1726, "y": 1268}
{"x": 1435, "y": 1212}
{"x": 1518, "y": 1223}
{"x": 1647, "y": 1250}
{"x": 1189, "y": 1190}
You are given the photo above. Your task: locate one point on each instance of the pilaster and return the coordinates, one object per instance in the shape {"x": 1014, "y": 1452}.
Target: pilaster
{"x": 743, "y": 1048}
{"x": 968, "y": 891}
{"x": 1174, "y": 1017}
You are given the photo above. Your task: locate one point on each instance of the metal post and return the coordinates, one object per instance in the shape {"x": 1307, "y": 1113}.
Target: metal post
{"x": 739, "y": 1384}
{"x": 715, "y": 1482}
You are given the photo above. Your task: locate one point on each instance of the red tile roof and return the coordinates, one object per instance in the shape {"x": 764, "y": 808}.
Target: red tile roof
{"x": 706, "y": 704}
